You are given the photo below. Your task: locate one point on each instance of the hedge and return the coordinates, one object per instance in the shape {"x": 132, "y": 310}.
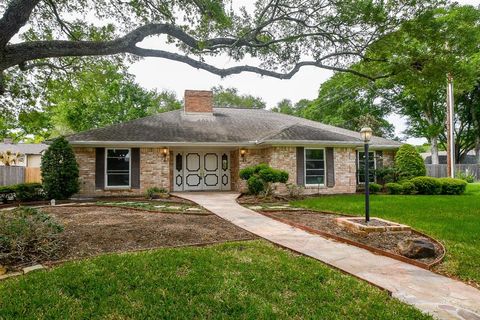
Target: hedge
{"x": 22, "y": 192}
{"x": 394, "y": 188}
{"x": 427, "y": 185}
{"x": 453, "y": 186}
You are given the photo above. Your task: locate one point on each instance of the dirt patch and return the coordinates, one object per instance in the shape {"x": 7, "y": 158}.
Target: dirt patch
{"x": 94, "y": 230}
{"x": 325, "y": 222}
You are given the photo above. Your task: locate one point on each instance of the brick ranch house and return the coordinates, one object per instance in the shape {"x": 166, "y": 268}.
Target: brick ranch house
{"x": 203, "y": 148}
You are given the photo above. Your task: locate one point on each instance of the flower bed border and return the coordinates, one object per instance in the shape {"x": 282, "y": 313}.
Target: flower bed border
{"x": 427, "y": 266}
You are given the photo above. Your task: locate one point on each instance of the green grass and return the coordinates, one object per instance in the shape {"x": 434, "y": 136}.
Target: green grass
{"x": 247, "y": 280}
{"x": 455, "y": 220}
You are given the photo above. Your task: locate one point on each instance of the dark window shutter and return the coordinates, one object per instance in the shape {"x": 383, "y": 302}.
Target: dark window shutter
{"x": 100, "y": 168}
{"x": 135, "y": 174}
{"x": 330, "y": 161}
{"x": 379, "y": 164}
{"x": 300, "y": 166}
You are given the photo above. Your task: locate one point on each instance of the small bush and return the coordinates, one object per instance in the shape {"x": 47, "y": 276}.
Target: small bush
{"x": 409, "y": 163}
{"x": 453, "y": 186}
{"x": 295, "y": 191}
{"x": 29, "y": 192}
{"x": 387, "y": 174}
{"x": 260, "y": 178}
{"x": 28, "y": 235}
{"x": 466, "y": 176}
{"x": 255, "y": 185}
{"x": 374, "y": 187}
{"x": 394, "y": 188}
{"x": 427, "y": 185}
{"x": 155, "y": 191}
{"x": 408, "y": 187}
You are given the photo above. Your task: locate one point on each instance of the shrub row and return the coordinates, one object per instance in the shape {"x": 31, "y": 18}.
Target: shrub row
{"x": 22, "y": 192}
{"x": 428, "y": 185}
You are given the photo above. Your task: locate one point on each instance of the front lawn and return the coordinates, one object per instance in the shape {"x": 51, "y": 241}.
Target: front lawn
{"x": 247, "y": 280}
{"x": 454, "y": 220}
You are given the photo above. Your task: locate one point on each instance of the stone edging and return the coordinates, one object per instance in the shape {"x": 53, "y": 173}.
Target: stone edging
{"x": 363, "y": 246}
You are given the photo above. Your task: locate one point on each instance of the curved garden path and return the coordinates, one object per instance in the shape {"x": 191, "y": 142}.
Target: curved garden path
{"x": 440, "y": 296}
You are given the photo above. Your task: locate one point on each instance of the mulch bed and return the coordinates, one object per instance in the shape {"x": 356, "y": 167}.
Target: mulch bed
{"x": 325, "y": 222}
{"x": 94, "y": 230}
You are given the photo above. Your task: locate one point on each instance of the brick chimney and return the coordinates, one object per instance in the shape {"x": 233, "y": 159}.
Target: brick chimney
{"x": 198, "y": 101}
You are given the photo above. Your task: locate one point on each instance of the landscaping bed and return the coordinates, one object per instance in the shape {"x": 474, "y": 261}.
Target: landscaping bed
{"x": 382, "y": 241}
{"x": 91, "y": 230}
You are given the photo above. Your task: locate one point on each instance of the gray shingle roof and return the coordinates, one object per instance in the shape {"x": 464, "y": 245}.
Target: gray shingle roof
{"x": 227, "y": 125}
{"x": 24, "y": 148}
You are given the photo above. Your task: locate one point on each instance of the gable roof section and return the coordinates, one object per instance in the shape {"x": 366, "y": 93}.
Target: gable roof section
{"x": 24, "y": 148}
{"x": 226, "y": 126}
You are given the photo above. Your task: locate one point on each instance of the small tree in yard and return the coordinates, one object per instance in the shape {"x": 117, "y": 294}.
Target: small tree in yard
{"x": 409, "y": 163}
{"x": 60, "y": 170}
{"x": 260, "y": 178}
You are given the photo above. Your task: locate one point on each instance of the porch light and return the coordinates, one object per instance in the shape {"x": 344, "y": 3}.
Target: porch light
{"x": 164, "y": 153}
{"x": 243, "y": 152}
{"x": 366, "y": 134}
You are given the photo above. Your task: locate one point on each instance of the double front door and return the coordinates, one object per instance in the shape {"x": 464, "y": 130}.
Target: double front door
{"x": 201, "y": 170}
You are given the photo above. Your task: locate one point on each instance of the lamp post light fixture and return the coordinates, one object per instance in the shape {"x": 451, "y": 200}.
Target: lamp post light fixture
{"x": 366, "y": 134}
{"x": 243, "y": 152}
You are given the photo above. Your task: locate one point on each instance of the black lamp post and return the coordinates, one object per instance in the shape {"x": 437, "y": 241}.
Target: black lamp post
{"x": 366, "y": 134}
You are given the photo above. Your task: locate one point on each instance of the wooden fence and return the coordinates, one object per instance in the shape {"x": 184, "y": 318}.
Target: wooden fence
{"x": 10, "y": 175}
{"x": 440, "y": 170}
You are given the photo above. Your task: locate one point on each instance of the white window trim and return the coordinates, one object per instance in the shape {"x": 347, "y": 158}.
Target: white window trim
{"x": 305, "y": 167}
{"x": 358, "y": 165}
{"x": 129, "y": 170}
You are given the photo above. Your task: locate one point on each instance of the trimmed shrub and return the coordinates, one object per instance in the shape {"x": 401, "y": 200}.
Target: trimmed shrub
{"x": 408, "y": 187}
{"x": 60, "y": 170}
{"x": 409, "y": 163}
{"x": 427, "y": 185}
{"x": 394, "y": 188}
{"x": 28, "y": 235}
{"x": 29, "y": 192}
{"x": 453, "y": 186}
{"x": 374, "y": 187}
{"x": 255, "y": 185}
{"x": 260, "y": 178}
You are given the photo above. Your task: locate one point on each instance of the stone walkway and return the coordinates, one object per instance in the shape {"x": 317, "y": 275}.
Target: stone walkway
{"x": 442, "y": 297}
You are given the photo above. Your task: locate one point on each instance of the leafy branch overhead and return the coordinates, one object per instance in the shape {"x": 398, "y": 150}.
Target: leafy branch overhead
{"x": 285, "y": 35}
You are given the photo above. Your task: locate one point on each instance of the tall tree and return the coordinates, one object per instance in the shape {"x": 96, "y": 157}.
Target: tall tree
{"x": 101, "y": 93}
{"x": 420, "y": 61}
{"x": 230, "y": 98}
{"x": 328, "y": 34}
{"x": 350, "y": 102}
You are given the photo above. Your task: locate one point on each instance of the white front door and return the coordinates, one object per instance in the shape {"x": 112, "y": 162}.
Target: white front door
{"x": 195, "y": 171}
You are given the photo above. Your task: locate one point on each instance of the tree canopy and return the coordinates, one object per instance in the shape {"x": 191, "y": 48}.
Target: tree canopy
{"x": 284, "y": 35}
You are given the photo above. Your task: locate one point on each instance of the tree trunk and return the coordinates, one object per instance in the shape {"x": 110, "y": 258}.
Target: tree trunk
{"x": 434, "y": 150}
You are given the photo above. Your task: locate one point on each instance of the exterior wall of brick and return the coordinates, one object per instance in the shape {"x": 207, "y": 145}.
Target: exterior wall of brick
{"x": 154, "y": 169}
{"x": 86, "y": 166}
{"x": 198, "y": 101}
{"x": 154, "y": 172}
{"x": 388, "y": 158}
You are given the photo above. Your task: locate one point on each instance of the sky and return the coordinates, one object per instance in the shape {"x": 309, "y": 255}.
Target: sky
{"x": 161, "y": 74}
